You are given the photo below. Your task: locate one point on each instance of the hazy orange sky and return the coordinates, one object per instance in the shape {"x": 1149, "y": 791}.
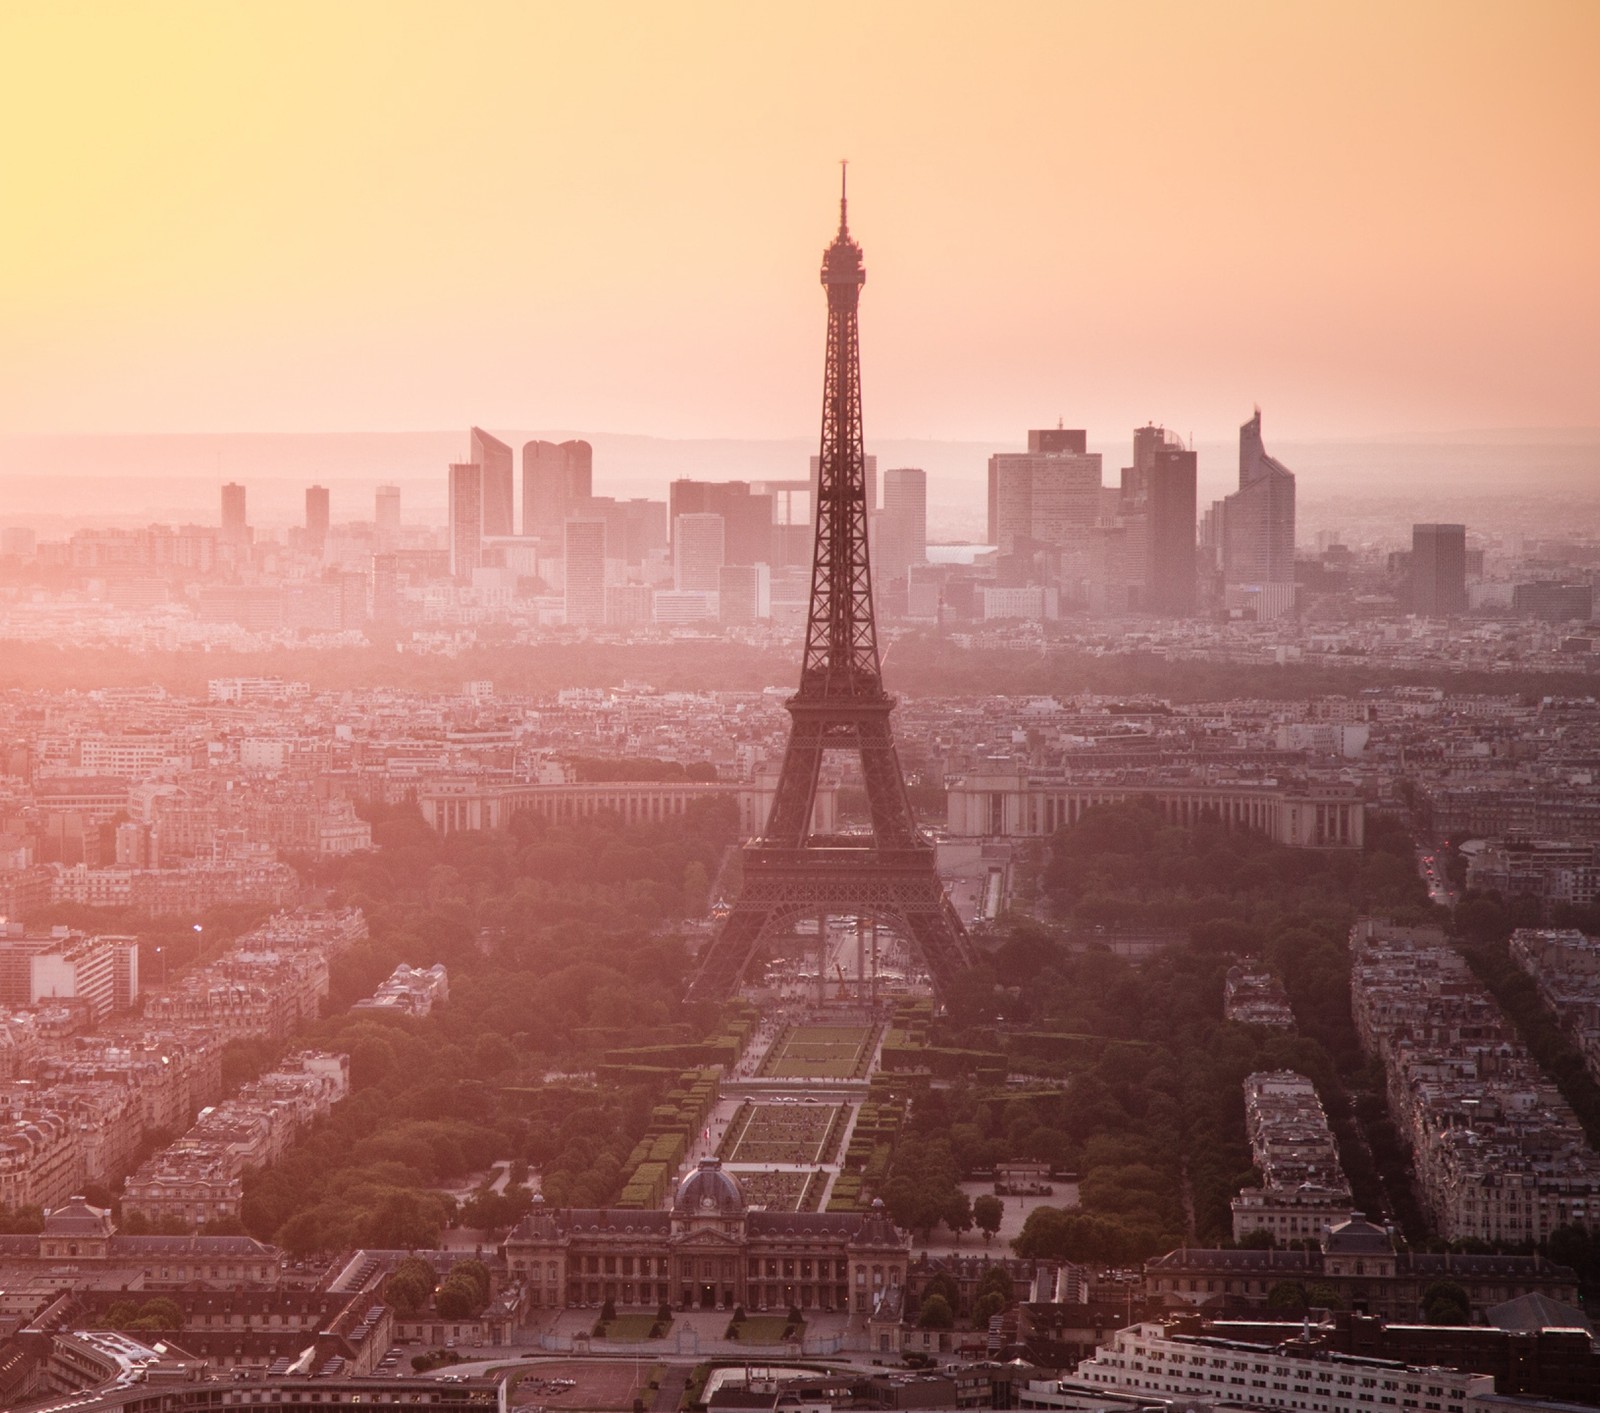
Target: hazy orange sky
{"x": 233, "y": 216}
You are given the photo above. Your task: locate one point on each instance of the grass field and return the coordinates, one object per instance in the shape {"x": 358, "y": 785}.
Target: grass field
{"x": 635, "y": 1326}
{"x": 767, "y": 1329}
{"x": 820, "y": 1052}
{"x": 777, "y": 1192}
{"x": 785, "y": 1135}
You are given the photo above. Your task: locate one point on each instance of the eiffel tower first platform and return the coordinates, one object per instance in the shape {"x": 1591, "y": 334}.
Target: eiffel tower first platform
{"x": 841, "y": 705}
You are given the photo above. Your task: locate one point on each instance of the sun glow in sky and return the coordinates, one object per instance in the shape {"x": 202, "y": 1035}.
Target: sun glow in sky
{"x": 1374, "y": 218}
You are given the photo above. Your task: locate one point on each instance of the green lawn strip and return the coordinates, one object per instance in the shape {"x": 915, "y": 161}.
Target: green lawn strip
{"x": 632, "y": 1328}
{"x": 767, "y": 1329}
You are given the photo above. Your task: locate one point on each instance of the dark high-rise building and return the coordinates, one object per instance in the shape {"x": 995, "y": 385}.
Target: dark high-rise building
{"x": 1257, "y": 525}
{"x": 499, "y": 482}
{"x": 234, "y": 528}
{"x": 556, "y": 479}
{"x": 1169, "y": 511}
{"x": 1156, "y": 517}
{"x": 746, "y": 516}
{"x": 1438, "y": 570}
{"x": 466, "y": 519}
{"x": 1147, "y": 440}
{"x": 316, "y": 518}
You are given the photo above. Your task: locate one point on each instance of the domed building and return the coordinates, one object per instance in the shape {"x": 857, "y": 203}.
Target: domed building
{"x": 709, "y": 1251}
{"x": 708, "y": 1192}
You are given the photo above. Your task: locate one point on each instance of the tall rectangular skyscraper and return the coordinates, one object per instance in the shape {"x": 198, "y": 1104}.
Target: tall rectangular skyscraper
{"x": 466, "y": 519}
{"x": 1438, "y": 570}
{"x": 499, "y": 482}
{"x": 583, "y": 552}
{"x": 1257, "y": 525}
{"x": 1169, "y": 508}
{"x": 1049, "y": 494}
{"x": 698, "y": 552}
{"x": 234, "y": 527}
{"x": 557, "y": 478}
{"x": 902, "y": 525}
{"x": 316, "y": 518}
{"x": 1147, "y": 440}
{"x": 386, "y": 512}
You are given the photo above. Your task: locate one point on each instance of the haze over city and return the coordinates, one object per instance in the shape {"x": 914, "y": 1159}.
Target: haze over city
{"x": 775, "y": 709}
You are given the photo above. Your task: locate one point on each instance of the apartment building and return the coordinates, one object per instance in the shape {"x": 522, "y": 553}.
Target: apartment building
{"x": 1151, "y": 1360}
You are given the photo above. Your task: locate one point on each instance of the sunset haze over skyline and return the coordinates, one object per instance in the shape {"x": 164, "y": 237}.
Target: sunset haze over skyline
{"x": 1371, "y": 220}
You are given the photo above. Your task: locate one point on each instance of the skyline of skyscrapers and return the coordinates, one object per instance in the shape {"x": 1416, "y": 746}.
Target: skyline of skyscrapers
{"x": 1053, "y": 522}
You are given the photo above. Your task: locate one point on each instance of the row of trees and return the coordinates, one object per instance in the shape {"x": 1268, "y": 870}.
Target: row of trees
{"x": 927, "y": 664}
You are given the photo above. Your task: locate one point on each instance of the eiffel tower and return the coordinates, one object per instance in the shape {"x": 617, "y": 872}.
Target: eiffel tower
{"x": 841, "y": 705}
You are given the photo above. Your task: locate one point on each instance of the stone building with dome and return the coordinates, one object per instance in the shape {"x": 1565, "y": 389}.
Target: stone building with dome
{"x": 711, "y": 1250}
{"x": 1359, "y": 1262}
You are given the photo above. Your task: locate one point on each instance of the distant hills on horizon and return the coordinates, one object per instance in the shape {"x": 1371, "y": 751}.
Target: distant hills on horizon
{"x": 138, "y": 478}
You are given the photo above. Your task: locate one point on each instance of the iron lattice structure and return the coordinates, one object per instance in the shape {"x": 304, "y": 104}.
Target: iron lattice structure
{"x": 841, "y": 705}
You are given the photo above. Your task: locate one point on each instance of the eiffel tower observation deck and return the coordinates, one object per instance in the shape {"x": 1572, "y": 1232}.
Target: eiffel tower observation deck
{"x": 790, "y": 873}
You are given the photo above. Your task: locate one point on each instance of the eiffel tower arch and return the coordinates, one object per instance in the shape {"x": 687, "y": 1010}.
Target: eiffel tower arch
{"x": 840, "y": 705}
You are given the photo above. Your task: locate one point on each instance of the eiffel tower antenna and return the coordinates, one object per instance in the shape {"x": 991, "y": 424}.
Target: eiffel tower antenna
{"x": 791, "y": 872}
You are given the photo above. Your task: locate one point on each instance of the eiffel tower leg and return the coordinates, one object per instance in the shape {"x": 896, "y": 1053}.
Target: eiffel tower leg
{"x": 723, "y": 962}
{"x": 822, "y": 958}
{"x": 932, "y": 924}
{"x": 790, "y": 819}
{"x": 892, "y": 825}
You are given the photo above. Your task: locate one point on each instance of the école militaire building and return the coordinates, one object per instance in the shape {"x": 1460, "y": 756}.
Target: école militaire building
{"x": 710, "y": 1251}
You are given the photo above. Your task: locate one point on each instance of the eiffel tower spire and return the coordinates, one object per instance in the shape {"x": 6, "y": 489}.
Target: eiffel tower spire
{"x": 840, "y": 704}
{"x": 841, "y": 656}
